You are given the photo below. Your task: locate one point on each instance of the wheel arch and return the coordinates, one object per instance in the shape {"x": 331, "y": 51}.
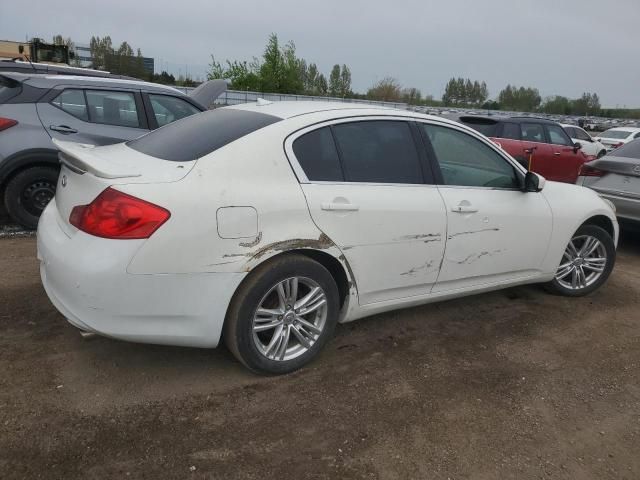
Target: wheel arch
{"x": 603, "y": 222}
{"x": 36, "y": 157}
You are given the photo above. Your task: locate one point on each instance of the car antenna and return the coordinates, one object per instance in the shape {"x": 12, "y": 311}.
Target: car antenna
{"x": 21, "y": 51}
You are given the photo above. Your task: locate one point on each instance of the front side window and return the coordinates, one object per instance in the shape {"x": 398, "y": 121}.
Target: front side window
{"x": 316, "y": 152}
{"x": 581, "y": 134}
{"x": 112, "y": 108}
{"x": 72, "y": 102}
{"x": 466, "y": 161}
{"x": 558, "y": 136}
{"x": 532, "y": 132}
{"x": 378, "y": 151}
{"x": 168, "y": 109}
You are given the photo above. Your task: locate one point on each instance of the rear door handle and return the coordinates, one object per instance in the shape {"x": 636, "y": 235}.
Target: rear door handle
{"x": 63, "y": 129}
{"x": 464, "y": 209}
{"x": 557, "y": 154}
{"x": 344, "y": 207}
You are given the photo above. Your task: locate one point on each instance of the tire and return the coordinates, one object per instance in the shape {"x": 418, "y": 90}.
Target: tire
{"x": 262, "y": 351}
{"x": 28, "y": 192}
{"x": 595, "y": 266}
{"x": 601, "y": 153}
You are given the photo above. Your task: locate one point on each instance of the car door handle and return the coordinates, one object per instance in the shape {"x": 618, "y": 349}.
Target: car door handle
{"x": 63, "y": 129}
{"x": 557, "y": 154}
{"x": 464, "y": 209}
{"x": 344, "y": 207}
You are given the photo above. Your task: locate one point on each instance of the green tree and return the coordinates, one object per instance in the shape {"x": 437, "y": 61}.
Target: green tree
{"x": 334, "y": 81}
{"x": 345, "y": 82}
{"x": 412, "y": 96}
{"x": 387, "y": 90}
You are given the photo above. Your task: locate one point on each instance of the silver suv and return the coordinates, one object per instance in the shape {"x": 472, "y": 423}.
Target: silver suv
{"x": 35, "y": 108}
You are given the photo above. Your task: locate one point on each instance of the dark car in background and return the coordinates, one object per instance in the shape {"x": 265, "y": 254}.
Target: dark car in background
{"x": 36, "y": 108}
{"x": 616, "y": 177}
{"x": 539, "y": 144}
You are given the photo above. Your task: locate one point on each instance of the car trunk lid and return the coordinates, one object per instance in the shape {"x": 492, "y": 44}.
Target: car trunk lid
{"x": 87, "y": 171}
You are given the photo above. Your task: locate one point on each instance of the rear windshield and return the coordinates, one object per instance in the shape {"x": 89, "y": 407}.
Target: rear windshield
{"x": 8, "y": 88}
{"x": 628, "y": 150}
{"x": 200, "y": 134}
{"x": 615, "y": 134}
{"x": 484, "y": 126}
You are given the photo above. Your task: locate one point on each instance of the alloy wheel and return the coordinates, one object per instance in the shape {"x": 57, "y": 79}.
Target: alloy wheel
{"x": 583, "y": 263}
{"x": 290, "y": 318}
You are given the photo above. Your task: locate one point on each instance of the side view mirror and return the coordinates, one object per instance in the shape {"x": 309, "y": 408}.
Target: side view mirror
{"x": 576, "y": 146}
{"x": 533, "y": 182}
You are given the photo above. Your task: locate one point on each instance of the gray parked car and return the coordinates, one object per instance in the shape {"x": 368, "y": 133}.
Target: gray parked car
{"x": 35, "y": 108}
{"x": 616, "y": 177}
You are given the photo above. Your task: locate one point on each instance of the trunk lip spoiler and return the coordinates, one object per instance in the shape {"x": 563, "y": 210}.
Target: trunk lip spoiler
{"x": 68, "y": 157}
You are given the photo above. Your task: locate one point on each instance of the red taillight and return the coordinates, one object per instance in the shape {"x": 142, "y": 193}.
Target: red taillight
{"x": 587, "y": 171}
{"x": 7, "y": 123}
{"x": 114, "y": 214}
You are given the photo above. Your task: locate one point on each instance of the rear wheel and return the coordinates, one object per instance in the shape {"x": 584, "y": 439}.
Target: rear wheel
{"x": 586, "y": 263}
{"x": 282, "y": 315}
{"x": 28, "y": 193}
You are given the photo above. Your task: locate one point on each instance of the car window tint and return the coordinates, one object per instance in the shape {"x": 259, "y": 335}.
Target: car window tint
{"x": 378, "y": 151}
{"x": 637, "y": 135}
{"x": 316, "y": 152}
{"x": 511, "y": 130}
{"x": 628, "y": 150}
{"x": 112, "y": 108}
{"x": 570, "y": 131}
{"x": 168, "y": 109}
{"x": 484, "y": 126}
{"x": 466, "y": 161}
{"x": 558, "y": 136}
{"x": 532, "y": 132}
{"x": 198, "y": 135}
{"x": 72, "y": 102}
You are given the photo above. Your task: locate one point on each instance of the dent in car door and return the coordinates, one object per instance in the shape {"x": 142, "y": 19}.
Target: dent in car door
{"x": 495, "y": 232}
{"x": 392, "y": 234}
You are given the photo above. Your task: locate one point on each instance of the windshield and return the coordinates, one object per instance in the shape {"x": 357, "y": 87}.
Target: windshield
{"x": 617, "y": 134}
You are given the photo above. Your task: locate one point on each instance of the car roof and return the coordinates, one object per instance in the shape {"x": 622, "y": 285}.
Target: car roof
{"x": 623, "y": 129}
{"x": 292, "y": 108}
{"x": 507, "y": 118}
{"x": 39, "y": 80}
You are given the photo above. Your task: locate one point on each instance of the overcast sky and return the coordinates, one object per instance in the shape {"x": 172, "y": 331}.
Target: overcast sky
{"x": 562, "y": 47}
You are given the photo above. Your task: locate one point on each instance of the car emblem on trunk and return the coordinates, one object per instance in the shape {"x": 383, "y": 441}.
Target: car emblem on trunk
{"x": 64, "y": 180}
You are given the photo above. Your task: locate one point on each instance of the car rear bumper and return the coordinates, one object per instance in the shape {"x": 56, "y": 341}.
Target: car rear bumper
{"x": 85, "y": 278}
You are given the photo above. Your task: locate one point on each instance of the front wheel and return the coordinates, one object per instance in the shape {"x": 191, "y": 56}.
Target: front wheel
{"x": 282, "y": 315}
{"x": 586, "y": 263}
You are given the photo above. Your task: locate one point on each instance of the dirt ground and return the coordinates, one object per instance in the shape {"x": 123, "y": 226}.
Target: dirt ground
{"x": 512, "y": 384}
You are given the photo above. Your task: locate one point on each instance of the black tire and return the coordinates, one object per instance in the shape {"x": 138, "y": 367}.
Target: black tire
{"x": 238, "y": 329}
{"x": 603, "y": 236}
{"x": 28, "y": 192}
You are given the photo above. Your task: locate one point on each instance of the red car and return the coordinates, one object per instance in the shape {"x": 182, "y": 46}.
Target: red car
{"x": 540, "y": 145}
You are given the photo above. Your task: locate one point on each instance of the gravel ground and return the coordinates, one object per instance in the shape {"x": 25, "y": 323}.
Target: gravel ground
{"x": 512, "y": 384}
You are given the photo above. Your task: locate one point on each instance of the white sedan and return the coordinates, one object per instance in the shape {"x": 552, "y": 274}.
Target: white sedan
{"x": 266, "y": 224}
{"x": 590, "y": 146}
{"x": 616, "y": 137}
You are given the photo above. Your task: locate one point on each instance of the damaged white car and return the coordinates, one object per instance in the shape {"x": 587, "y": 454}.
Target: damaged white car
{"x": 266, "y": 224}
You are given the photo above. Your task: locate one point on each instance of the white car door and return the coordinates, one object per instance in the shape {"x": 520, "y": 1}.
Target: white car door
{"x": 369, "y": 188}
{"x": 496, "y": 232}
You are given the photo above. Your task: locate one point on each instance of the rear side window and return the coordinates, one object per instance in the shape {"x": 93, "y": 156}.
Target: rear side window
{"x": 316, "y": 152}
{"x": 486, "y": 127}
{"x": 72, "y": 102}
{"x": 510, "y": 130}
{"x": 378, "y": 151}
{"x": 168, "y": 109}
{"x": 198, "y": 135}
{"x": 112, "y": 108}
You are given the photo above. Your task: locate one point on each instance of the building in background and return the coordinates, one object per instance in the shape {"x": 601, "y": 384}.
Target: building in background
{"x": 83, "y": 54}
